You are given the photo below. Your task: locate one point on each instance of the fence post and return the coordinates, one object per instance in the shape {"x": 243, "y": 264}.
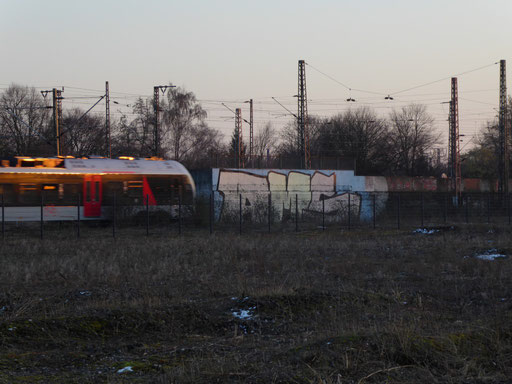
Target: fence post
{"x": 3, "y": 217}
{"x": 323, "y": 213}
{"x": 41, "y": 226}
{"x": 147, "y": 214}
{"x": 467, "y": 209}
{"x": 269, "y": 210}
{"x": 78, "y": 216}
{"x": 445, "y": 211}
{"x": 349, "y": 217}
{"x": 296, "y": 212}
{"x": 508, "y": 204}
{"x": 211, "y": 213}
{"x": 374, "y": 211}
{"x": 422, "y": 211}
{"x": 179, "y": 211}
{"x": 170, "y": 206}
{"x": 240, "y": 215}
{"x": 114, "y": 216}
{"x": 398, "y": 212}
{"x": 489, "y": 208}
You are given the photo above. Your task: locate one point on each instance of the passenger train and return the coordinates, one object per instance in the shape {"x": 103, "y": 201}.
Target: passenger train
{"x": 67, "y": 187}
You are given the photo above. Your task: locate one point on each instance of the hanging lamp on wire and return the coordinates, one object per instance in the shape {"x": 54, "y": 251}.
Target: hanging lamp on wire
{"x": 350, "y": 99}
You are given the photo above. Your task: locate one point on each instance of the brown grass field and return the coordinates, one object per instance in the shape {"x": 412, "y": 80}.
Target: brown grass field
{"x": 358, "y": 306}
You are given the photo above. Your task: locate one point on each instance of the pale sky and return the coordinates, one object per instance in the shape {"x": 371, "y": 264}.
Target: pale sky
{"x": 230, "y": 51}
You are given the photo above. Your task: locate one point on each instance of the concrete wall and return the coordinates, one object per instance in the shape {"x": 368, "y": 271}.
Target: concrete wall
{"x": 311, "y": 188}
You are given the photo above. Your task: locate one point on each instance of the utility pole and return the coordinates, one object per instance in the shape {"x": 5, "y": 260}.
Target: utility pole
{"x": 454, "y": 140}
{"x": 156, "y": 107}
{"x": 238, "y": 139}
{"x": 504, "y": 154}
{"x": 57, "y": 115}
{"x": 302, "y": 119}
{"x": 251, "y": 127}
{"x": 108, "y": 139}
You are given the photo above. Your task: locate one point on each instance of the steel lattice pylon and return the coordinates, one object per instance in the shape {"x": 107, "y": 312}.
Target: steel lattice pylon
{"x": 156, "y": 132}
{"x": 57, "y": 118}
{"x": 239, "y": 157}
{"x": 454, "y": 140}
{"x": 251, "y": 127}
{"x": 108, "y": 140}
{"x": 302, "y": 119}
{"x": 503, "y": 150}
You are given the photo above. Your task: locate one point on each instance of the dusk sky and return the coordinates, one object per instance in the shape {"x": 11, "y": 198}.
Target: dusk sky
{"x": 230, "y": 51}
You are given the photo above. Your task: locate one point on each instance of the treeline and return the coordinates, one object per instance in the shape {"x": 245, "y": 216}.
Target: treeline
{"x": 400, "y": 144}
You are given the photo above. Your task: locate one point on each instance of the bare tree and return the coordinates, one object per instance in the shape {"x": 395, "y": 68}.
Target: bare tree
{"x": 182, "y": 117}
{"x": 356, "y": 134}
{"x": 264, "y": 140}
{"x": 24, "y": 122}
{"x": 411, "y": 136}
{"x": 137, "y": 136}
{"x": 82, "y": 134}
{"x": 205, "y": 144}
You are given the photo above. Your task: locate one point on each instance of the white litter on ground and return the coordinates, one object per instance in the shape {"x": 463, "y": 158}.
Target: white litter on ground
{"x": 125, "y": 369}
{"x": 243, "y": 314}
{"x": 490, "y": 255}
{"x": 425, "y": 231}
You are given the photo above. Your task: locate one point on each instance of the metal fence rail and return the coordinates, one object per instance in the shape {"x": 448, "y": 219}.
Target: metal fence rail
{"x": 243, "y": 213}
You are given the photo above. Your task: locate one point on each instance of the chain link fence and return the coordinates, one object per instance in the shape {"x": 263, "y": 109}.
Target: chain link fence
{"x": 244, "y": 213}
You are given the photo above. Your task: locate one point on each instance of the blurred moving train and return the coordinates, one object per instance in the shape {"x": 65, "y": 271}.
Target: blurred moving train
{"x": 66, "y": 186}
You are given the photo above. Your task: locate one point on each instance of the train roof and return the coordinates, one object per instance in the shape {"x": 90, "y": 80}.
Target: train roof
{"x": 125, "y": 165}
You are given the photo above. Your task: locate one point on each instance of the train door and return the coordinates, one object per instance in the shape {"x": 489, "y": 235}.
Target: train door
{"x": 93, "y": 192}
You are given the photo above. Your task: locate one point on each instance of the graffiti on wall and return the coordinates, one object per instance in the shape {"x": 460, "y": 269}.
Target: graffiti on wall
{"x": 308, "y": 192}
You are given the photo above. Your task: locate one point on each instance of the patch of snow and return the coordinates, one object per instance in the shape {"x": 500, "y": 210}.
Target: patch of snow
{"x": 12, "y": 329}
{"x": 234, "y": 298}
{"x": 425, "y": 231}
{"x": 86, "y": 293}
{"x": 3, "y": 309}
{"x": 125, "y": 369}
{"x": 243, "y": 314}
{"x": 490, "y": 255}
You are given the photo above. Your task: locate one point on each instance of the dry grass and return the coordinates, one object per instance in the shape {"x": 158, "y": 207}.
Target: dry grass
{"x": 352, "y": 307}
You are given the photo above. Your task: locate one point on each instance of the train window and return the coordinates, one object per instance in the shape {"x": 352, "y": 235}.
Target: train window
{"x": 29, "y": 193}
{"x": 161, "y": 186}
{"x": 135, "y": 188}
{"x": 88, "y": 191}
{"x": 71, "y": 189}
{"x": 111, "y": 189}
{"x": 7, "y": 191}
{"x": 97, "y": 191}
{"x": 70, "y": 193}
{"x": 114, "y": 187}
{"x": 50, "y": 193}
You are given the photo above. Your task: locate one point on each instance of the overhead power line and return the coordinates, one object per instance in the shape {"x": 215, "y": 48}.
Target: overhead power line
{"x": 444, "y": 78}
{"x": 344, "y": 85}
